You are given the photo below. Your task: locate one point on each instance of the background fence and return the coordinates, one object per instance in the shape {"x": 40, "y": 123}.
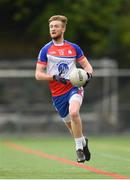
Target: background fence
{"x": 25, "y": 104}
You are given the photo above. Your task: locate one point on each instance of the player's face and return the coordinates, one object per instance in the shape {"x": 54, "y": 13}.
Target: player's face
{"x": 56, "y": 29}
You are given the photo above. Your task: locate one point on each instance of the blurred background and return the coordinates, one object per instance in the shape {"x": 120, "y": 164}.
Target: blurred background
{"x": 100, "y": 28}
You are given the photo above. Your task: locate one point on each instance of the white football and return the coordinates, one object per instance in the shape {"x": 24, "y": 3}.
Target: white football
{"x": 78, "y": 77}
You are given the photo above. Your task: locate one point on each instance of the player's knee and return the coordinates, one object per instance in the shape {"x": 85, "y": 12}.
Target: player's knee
{"x": 74, "y": 114}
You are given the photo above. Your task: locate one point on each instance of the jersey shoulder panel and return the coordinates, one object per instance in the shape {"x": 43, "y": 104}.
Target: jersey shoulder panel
{"x": 42, "y": 57}
{"x": 79, "y": 52}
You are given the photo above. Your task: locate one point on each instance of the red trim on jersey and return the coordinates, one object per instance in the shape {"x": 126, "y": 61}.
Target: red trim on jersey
{"x": 79, "y": 59}
{"x": 58, "y": 88}
{"x": 40, "y": 62}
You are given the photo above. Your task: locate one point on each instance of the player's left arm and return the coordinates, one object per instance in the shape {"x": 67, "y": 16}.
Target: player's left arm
{"x": 87, "y": 67}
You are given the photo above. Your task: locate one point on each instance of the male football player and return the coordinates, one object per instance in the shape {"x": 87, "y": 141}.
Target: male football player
{"x": 55, "y": 62}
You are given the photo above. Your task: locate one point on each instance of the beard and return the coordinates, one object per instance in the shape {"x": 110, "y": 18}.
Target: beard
{"x": 56, "y": 38}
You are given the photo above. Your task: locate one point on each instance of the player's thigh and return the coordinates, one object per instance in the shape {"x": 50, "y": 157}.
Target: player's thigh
{"x": 74, "y": 107}
{"x": 75, "y": 102}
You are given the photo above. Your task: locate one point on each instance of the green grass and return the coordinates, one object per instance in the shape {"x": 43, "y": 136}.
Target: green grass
{"x": 111, "y": 154}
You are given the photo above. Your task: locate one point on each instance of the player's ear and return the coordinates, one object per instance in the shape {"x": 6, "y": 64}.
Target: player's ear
{"x": 64, "y": 29}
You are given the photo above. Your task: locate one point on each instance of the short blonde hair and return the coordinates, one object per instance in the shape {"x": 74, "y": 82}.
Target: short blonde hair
{"x": 61, "y": 18}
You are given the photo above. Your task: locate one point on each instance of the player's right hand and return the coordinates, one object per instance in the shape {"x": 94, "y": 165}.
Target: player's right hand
{"x": 59, "y": 79}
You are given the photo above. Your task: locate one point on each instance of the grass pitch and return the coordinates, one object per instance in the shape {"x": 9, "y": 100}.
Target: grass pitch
{"x": 54, "y": 158}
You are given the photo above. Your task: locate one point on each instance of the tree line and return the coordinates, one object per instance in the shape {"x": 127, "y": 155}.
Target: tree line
{"x": 101, "y": 28}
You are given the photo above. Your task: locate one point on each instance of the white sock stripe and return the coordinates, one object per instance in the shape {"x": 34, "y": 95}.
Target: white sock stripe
{"x": 79, "y": 144}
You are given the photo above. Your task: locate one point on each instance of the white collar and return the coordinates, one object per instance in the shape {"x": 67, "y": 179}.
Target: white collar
{"x": 60, "y": 44}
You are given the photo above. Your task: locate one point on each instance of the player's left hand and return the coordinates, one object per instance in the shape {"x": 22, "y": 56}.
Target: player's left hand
{"x": 60, "y": 79}
{"x": 89, "y": 77}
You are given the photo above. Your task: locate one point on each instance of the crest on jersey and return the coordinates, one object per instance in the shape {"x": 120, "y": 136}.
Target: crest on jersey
{"x": 69, "y": 52}
{"x": 63, "y": 69}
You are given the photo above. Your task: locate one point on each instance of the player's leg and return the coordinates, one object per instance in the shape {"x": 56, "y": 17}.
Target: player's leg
{"x": 67, "y": 122}
{"x": 68, "y": 125}
{"x": 61, "y": 105}
{"x": 84, "y": 140}
{"x": 76, "y": 125}
{"x": 78, "y": 141}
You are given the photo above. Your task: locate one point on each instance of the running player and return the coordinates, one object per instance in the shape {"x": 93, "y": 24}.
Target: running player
{"x": 55, "y": 62}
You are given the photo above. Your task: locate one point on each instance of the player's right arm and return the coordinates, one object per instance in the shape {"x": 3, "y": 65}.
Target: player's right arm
{"x": 40, "y": 73}
{"x": 41, "y": 65}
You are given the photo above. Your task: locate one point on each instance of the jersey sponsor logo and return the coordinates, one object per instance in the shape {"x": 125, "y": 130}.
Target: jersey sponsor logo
{"x": 52, "y": 52}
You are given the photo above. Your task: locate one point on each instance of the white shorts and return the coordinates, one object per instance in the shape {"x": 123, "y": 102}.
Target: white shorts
{"x": 76, "y": 97}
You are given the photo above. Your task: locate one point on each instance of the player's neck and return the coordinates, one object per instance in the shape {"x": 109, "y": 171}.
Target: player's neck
{"x": 59, "y": 41}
